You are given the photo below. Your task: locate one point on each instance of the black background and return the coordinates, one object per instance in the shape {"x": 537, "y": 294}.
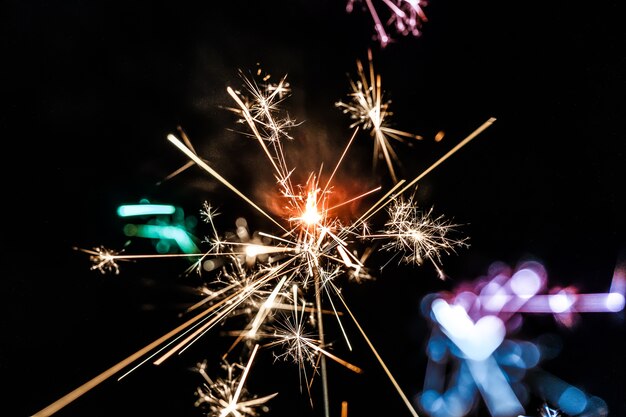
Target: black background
{"x": 91, "y": 89}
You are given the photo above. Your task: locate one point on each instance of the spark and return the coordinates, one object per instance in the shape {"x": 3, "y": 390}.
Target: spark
{"x": 216, "y": 175}
{"x": 228, "y": 396}
{"x": 546, "y": 411}
{"x": 380, "y": 360}
{"x": 360, "y": 273}
{"x": 208, "y": 213}
{"x": 370, "y": 110}
{"x": 418, "y": 235}
{"x": 405, "y": 16}
{"x": 301, "y": 346}
{"x": 311, "y": 251}
{"x": 103, "y": 259}
{"x": 239, "y": 297}
{"x": 92, "y": 383}
{"x": 393, "y": 193}
{"x": 106, "y": 260}
{"x": 296, "y": 342}
{"x": 258, "y": 113}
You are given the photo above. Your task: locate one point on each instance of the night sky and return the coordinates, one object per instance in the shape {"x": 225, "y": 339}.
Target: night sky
{"x": 92, "y": 89}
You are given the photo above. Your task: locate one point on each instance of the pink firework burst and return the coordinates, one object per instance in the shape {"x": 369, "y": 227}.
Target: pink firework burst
{"x": 406, "y": 17}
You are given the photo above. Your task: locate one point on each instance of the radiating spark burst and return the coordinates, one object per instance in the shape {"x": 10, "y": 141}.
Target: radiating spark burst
{"x": 289, "y": 331}
{"x": 103, "y": 259}
{"x": 228, "y": 396}
{"x": 417, "y": 236}
{"x": 405, "y": 16}
{"x": 259, "y": 108}
{"x": 311, "y": 251}
{"x": 370, "y": 110}
{"x": 298, "y": 345}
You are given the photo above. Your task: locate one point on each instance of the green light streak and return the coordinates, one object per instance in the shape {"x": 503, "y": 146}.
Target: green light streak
{"x": 175, "y": 233}
{"x": 144, "y": 209}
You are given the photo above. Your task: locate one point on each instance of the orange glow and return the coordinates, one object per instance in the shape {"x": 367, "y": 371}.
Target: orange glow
{"x": 311, "y": 216}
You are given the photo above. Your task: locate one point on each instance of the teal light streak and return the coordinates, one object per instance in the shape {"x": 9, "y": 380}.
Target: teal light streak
{"x": 144, "y": 209}
{"x": 175, "y": 233}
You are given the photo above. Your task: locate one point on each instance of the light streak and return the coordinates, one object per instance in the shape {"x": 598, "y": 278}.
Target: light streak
{"x": 105, "y": 260}
{"x": 129, "y": 210}
{"x": 380, "y": 360}
{"x": 471, "y": 334}
{"x": 392, "y": 194}
{"x": 163, "y": 232}
{"x": 569, "y": 399}
{"x": 216, "y": 175}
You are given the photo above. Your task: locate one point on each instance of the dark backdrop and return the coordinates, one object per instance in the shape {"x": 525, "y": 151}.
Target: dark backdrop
{"x": 91, "y": 89}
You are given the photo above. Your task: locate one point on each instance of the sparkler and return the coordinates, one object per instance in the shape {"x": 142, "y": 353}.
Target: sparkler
{"x": 257, "y": 279}
{"x": 370, "y": 110}
{"x": 406, "y": 17}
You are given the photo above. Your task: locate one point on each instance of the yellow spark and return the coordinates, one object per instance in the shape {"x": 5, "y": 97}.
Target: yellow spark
{"x": 368, "y": 109}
